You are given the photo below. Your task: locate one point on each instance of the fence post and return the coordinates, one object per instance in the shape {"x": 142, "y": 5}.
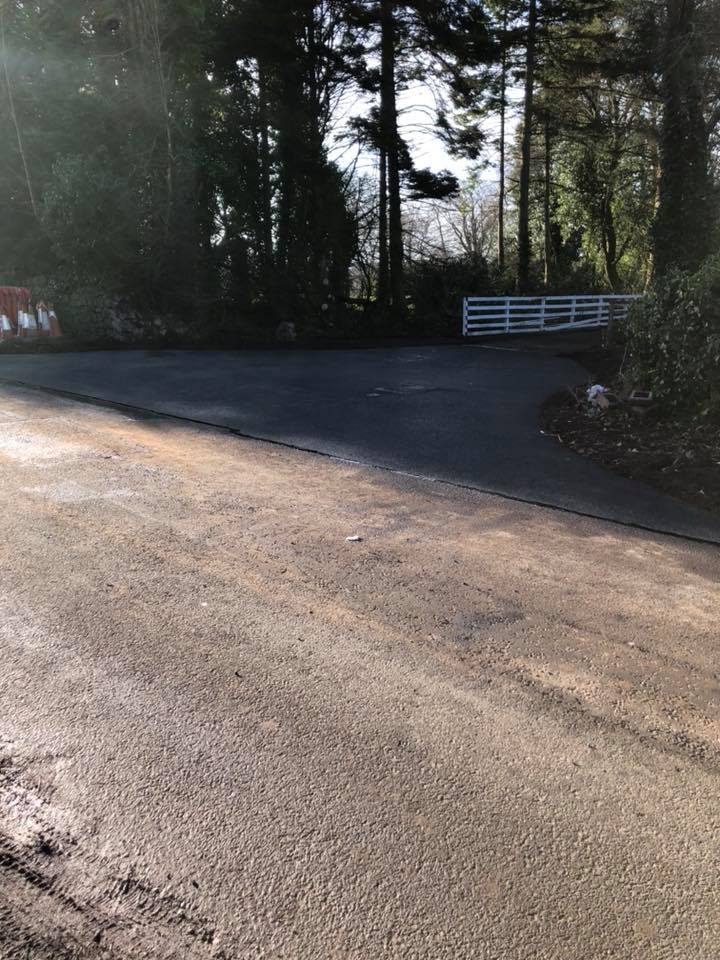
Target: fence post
{"x": 542, "y": 314}
{"x": 465, "y": 317}
{"x": 573, "y": 310}
{"x": 610, "y": 336}
{"x": 507, "y": 315}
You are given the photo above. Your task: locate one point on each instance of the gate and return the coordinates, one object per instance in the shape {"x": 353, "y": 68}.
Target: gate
{"x": 485, "y": 316}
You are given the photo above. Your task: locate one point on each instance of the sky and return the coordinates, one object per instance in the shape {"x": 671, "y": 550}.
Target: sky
{"x": 417, "y": 109}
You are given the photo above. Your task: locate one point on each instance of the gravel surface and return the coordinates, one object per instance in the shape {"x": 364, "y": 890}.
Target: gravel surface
{"x": 486, "y": 729}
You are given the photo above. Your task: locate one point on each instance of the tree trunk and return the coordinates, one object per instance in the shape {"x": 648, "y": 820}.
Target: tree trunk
{"x": 266, "y": 238}
{"x": 391, "y": 143}
{"x": 547, "y": 224}
{"x": 288, "y": 151}
{"x": 314, "y": 167}
{"x": 503, "y": 116}
{"x": 154, "y": 28}
{"x": 609, "y": 243}
{"x": 383, "y": 264}
{"x": 286, "y": 201}
{"x": 523, "y": 274}
{"x": 654, "y": 151}
{"x": 13, "y": 114}
{"x": 682, "y": 231}
{"x": 203, "y": 208}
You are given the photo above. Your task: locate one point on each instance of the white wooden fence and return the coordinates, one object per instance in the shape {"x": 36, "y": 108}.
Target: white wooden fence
{"x": 485, "y": 316}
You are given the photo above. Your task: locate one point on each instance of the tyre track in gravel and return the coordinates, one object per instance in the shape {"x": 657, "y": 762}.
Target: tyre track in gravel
{"x": 60, "y": 902}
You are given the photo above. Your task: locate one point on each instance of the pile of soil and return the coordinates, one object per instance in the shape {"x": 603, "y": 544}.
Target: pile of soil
{"x": 679, "y": 456}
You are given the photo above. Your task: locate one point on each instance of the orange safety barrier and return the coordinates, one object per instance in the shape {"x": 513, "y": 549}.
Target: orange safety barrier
{"x": 18, "y": 319}
{"x": 13, "y": 300}
{"x": 48, "y": 324}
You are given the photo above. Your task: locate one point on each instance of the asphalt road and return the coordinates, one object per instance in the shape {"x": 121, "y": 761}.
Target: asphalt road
{"x": 487, "y": 730}
{"x": 462, "y": 414}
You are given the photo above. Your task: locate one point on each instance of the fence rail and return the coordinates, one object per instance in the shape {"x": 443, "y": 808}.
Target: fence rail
{"x": 485, "y": 316}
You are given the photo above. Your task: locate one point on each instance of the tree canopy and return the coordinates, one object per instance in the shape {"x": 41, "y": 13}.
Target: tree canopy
{"x": 256, "y": 161}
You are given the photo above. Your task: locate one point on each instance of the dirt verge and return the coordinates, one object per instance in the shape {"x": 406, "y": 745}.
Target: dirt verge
{"x": 677, "y": 455}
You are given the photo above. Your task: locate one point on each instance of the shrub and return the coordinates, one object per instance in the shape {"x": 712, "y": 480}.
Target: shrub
{"x": 436, "y": 288}
{"x": 673, "y": 338}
